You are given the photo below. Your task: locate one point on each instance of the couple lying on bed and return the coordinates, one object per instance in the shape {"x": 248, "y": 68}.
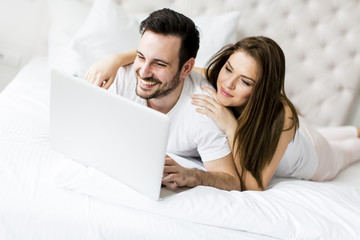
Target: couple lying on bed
{"x": 258, "y": 133}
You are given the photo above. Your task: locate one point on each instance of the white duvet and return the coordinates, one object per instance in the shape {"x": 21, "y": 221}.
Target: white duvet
{"x": 291, "y": 209}
{"x": 39, "y": 184}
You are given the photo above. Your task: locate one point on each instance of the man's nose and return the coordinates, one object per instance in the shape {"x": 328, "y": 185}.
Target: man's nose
{"x": 145, "y": 71}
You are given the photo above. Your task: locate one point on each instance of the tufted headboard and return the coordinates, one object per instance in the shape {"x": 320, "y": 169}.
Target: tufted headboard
{"x": 319, "y": 39}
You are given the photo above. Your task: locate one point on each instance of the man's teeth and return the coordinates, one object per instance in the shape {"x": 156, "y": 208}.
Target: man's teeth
{"x": 148, "y": 82}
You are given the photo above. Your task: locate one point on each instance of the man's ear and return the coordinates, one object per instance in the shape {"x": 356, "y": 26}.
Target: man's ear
{"x": 187, "y": 67}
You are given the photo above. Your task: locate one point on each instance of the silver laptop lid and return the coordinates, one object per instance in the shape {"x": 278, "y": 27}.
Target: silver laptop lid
{"x": 115, "y": 135}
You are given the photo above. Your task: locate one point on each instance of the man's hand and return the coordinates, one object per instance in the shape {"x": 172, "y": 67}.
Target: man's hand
{"x": 103, "y": 72}
{"x": 176, "y": 175}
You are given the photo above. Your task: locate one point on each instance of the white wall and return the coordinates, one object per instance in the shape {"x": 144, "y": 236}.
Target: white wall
{"x": 23, "y": 27}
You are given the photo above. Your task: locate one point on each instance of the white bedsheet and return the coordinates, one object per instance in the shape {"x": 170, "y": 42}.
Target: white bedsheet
{"x": 34, "y": 206}
{"x": 45, "y": 195}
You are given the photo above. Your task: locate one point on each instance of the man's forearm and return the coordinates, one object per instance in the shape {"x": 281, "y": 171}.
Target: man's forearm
{"x": 219, "y": 180}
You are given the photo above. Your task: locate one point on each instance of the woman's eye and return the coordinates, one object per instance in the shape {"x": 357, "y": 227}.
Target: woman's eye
{"x": 245, "y": 82}
{"x": 227, "y": 69}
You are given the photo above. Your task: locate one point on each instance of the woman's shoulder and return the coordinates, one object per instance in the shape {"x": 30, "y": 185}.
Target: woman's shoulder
{"x": 289, "y": 115}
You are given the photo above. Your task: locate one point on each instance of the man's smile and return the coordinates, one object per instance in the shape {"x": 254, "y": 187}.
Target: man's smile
{"x": 148, "y": 83}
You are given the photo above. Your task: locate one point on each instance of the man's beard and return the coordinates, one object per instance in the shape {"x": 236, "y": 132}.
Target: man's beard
{"x": 163, "y": 91}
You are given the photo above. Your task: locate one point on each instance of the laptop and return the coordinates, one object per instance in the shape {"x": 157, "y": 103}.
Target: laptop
{"x": 110, "y": 133}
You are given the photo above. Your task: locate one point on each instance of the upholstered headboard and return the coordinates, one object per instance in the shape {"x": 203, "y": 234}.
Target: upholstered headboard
{"x": 319, "y": 38}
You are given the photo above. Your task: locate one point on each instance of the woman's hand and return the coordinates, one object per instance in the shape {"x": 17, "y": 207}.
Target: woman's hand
{"x": 221, "y": 115}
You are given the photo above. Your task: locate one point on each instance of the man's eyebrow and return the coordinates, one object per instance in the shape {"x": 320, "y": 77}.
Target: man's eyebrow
{"x": 139, "y": 53}
{"x": 162, "y": 61}
{"x": 241, "y": 74}
{"x": 155, "y": 59}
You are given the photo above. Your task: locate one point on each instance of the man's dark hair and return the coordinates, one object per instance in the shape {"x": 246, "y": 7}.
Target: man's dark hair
{"x": 168, "y": 22}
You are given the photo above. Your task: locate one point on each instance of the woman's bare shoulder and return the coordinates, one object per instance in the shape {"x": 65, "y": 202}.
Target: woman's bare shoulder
{"x": 288, "y": 116}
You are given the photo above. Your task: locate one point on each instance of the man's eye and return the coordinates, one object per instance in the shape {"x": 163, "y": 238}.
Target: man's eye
{"x": 160, "y": 64}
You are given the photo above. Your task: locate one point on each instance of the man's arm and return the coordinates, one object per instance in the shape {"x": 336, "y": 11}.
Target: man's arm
{"x": 103, "y": 72}
{"x": 220, "y": 174}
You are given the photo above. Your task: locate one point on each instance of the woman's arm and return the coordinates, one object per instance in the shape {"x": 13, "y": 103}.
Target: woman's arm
{"x": 103, "y": 72}
{"x": 248, "y": 182}
{"x": 225, "y": 120}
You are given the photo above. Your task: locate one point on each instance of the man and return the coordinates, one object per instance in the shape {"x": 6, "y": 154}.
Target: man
{"x": 162, "y": 78}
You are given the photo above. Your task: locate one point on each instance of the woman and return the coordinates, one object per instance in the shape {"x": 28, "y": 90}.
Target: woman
{"x": 250, "y": 106}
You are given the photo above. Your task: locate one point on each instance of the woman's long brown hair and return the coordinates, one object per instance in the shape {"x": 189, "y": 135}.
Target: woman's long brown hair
{"x": 261, "y": 120}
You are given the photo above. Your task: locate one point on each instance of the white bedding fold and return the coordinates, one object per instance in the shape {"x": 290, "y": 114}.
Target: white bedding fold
{"x": 291, "y": 209}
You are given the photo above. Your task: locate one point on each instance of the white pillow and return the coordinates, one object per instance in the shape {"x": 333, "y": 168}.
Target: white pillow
{"x": 108, "y": 29}
{"x": 215, "y": 32}
{"x": 66, "y": 18}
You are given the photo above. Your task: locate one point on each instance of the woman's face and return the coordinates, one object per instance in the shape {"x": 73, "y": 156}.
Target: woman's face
{"x": 236, "y": 79}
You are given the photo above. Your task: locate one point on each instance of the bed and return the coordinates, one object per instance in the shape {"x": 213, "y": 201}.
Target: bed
{"x": 45, "y": 195}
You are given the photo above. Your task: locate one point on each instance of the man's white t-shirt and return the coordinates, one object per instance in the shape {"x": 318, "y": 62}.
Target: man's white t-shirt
{"x": 191, "y": 134}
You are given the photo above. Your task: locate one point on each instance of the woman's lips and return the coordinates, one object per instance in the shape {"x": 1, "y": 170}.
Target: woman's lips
{"x": 225, "y": 93}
